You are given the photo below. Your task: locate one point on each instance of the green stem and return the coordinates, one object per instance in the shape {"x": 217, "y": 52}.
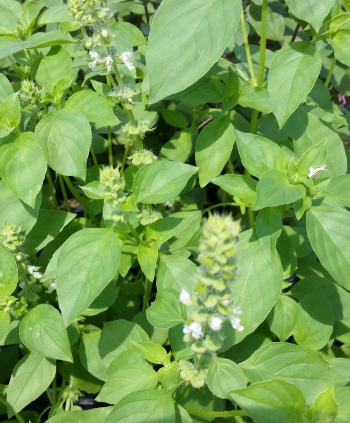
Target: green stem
{"x": 6, "y": 404}
{"x": 247, "y": 50}
{"x": 215, "y": 414}
{"x": 64, "y": 193}
{"x": 133, "y": 231}
{"x": 81, "y": 200}
{"x": 125, "y": 156}
{"x": 93, "y": 155}
{"x": 220, "y": 205}
{"x": 52, "y": 188}
{"x": 110, "y": 149}
{"x": 148, "y": 287}
{"x": 330, "y": 73}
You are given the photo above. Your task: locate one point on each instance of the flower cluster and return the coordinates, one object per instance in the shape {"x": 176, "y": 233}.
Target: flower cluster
{"x": 140, "y": 128}
{"x": 211, "y": 303}
{"x": 12, "y": 238}
{"x": 148, "y": 216}
{"x": 113, "y": 184}
{"x": 125, "y": 95}
{"x": 87, "y": 12}
{"x": 142, "y": 157}
{"x": 29, "y": 95}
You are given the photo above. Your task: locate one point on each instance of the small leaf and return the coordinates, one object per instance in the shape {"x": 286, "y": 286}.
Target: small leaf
{"x": 31, "y": 376}
{"x": 241, "y": 186}
{"x": 42, "y": 331}
{"x": 166, "y": 311}
{"x": 283, "y": 317}
{"x": 147, "y": 255}
{"x": 154, "y": 353}
{"x": 161, "y": 181}
{"x": 312, "y": 11}
{"x": 325, "y": 408}
{"x": 213, "y": 149}
{"x": 8, "y": 272}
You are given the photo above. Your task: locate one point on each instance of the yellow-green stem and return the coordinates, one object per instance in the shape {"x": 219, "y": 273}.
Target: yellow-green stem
{"x": 215, "y": 414}
{"x": 64, "y": 193}
{"x": 110, "y": 149}
{"x": 6, "y": 404}
{"x": 52, "y": 188}
{"x": 330, "y": 72}
{"x": 247, "y": 50}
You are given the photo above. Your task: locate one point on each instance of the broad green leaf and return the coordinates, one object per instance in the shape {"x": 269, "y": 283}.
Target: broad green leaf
{"x": 193, "y": 23}
{"x": 268, "y": 228}
{"x": 179, "y": 348}
{"x": 166, "y": 311}
{"x": 5, "y": 87}
{"x": 168, "y": 376}
{"x": 291, "y": 363}
{"x": 5, "y": 320}
{"x": 126, "y": 380}
{"x": 315, "y": 320}
{"x": 118, "y": 336}
{"x": 57, "y": 64}
{"x": 283, "y": 317}
{"x": 339, "y": 189}
{"x": 240, "y": 186}
{"x": 89, "y": 354}
{"x": 154, "y": 353}
{"x": 201, "y": 400}
{"x": 213, "y": 149}
{"x": 324, "y": 409}
{"x": 30, "y": 378}
{"x": 77, "y": 416}
{"x": 147, "y": 255}
{"x": 311, "y": 11}
{"x": 340, "y": 43}
{"x": 274, "y": 189}
{"x": 8, "y": 272}
{"x": 87, "y": 263}
{"x": 161, "y": 181}
{"x": 342, "y": 397}
{"x": 314, "y": 157}
{"x": 8, "y": 23}
{"x": 225, "y": 375}
{"x": 179, "y": 147}
{"x": 176, "y": 273}
{"x": 328, "y": 229}
{"x": 13, "y": 210}
{"x": 255, "y": 98}
{"x": 275, "y": 24}
{"x": 256, "y": 278}
{"x": 42, "y": 331}
{"x": 54, "y": 14}
{"x": 31, "y": 10}
{"x": 103, "y": 301}
{"x": 165, "y": 228}
{"x": 65, "y": 138}
{"x": 258, "y": 154}
{"x": 293, "y": 73}
{"x": 133, "y": 33}
{"x": 23, "y": 166}
{"x": 94, "y": 107}
{"x": 49, "y": 224}
{"x": 10, "y": 115}
{"x": 287, "y": 254}
{"x": 271, "y": 401}
{"x": 144, "y": 407}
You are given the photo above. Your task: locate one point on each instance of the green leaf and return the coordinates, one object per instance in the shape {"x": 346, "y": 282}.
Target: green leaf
{"x": 5, "y": 320}
{"x": 283, "y": 317}
{"x": 240, "y": 186}
{"x": 176, "y": 273}
{"x": 342, "y": 398}
{"x": 225, "y": 375}
{"x": 13, "y": 210}
{"x": 272, "y": 401}
{"x": 10, "y": 115}
{"x": 190, "y": 56}
{"x": 339, "y": 189}
{"x": 328, "y": 229}
{"x": 179, "y": 148}
{"x": 5, "y": 87}
{"x": 8, "y": 272}
{"x": 161, "y": 181}
{"x": 23, "y": 166}
{"x": 311, "y": 11}
{"x": 258, "y": 154}
{"x": 49, "y": 224}
{"x": 255, "y": 98}
{"x": 268, "y": 228}
{"x": 54, "y": 14}
{"x": 87, "y": 263}
{"x": 274, "y": 189}
{"x": 42, "y": 331}
{"x": 213, "y": 148}
{"x": 166, "y": 311}
{"x": 126, "y": 380}
{"x": 147, "y": 255}
{"x": 86, "y": 416}
{"x": 168, "y": 376}
{"x": 31, "y": 376}
{"x": 118, "y": 336}
{"x": 89, "y": 354}
{"x": 31, "y": 10}
{"x": 315, "y": 320}
{"x": 340, "y": 43}
{"x": 57, "y": 64}
{"x": 65, "y": 138}
{"x": 144, "y": 407}
{"x": 154, "y": 353}
{"x": 291, "y": 363}
{"x": 275, "y": 24}
{"x": 293, "y": 73}
{"x": 256, "y": 278}
{"x": 94, "y": 107}
{"x": 324, "y": 409}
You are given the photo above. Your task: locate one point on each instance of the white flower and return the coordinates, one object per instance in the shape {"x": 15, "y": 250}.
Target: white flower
{"x": 52, "y": 287}
{"x": 185, "y": 297}
{"x": 95, "y": 56}
{"x": 104, "y": 33}
{"x": 125, "y": 57}
{"x": 109, "y": 62}
{"x": 215, "y": 323}
{"x": 313, "y": 171}
{"x": 195, "y": 329}
{"x": 236, "y": 323}
{"x": 32, "y": 271}
{"x": 236, "y": 310}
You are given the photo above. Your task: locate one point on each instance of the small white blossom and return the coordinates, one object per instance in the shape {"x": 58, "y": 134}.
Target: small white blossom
{"x": 109, "y": 62}
{"x": 32, "y": 271}
{"x": 125, "y": 57}
{"x": 95, "y": 56}
{"x": 52, "y": 287}
{"x": 236, "y": 323}
{"x": 236, "y": 310}
{"x": 195, "y": 329}
{"x": 215, "y": 323}
{"x": 104, "y": 33}
{"x": 313, "y": 171}
{"x": 18, "y": 257}
{"x": 185, "y": 297}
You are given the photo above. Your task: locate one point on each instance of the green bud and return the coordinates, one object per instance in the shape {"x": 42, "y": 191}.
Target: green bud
{"x": 211, "y": 301}
{"x": 187, "y": 374}
{"x": 198, "y": 380}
